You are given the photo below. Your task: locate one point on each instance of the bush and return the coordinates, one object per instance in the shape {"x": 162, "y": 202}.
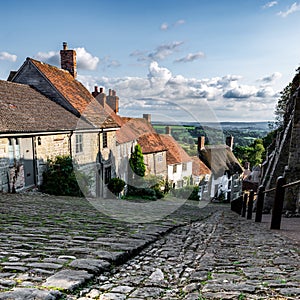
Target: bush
{"x": 59, "y": 178}
{"x": 116, "y": 185}
{"x": 189, "y": 192}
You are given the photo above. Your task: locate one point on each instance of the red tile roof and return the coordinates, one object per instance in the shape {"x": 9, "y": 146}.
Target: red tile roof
{"x": 175, "y": 153}
{"x": 151, "y": 143}
{"x": 140, "y": 130}
{"x": 132, "y": 129}
{"x": 76, "y": 94}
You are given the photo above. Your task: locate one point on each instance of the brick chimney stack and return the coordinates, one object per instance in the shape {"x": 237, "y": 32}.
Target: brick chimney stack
{"x": 68, "y": 60}
{"x": 112, "y": 100}
{"x": 101, "y": 97}
{"x": 147, "y": 117}
{"x": 201, "y": 142}
{"x": 168, "y": 130}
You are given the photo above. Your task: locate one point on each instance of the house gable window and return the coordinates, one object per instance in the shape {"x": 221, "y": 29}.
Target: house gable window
{"x": 174, "y": 168}
{"x": 104, "y": 139}
{"x": 184, "y": 166}
{"x": 79, "y": 143}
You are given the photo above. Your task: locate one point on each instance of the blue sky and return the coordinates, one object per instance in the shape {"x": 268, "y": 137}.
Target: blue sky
{"x": 190, "y": 60}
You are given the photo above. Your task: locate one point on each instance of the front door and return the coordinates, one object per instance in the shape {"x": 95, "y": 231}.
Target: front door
{"x": 26, "y": 151}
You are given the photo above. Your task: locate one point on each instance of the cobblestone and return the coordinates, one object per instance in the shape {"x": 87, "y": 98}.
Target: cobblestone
{"x": 52, "y": 247}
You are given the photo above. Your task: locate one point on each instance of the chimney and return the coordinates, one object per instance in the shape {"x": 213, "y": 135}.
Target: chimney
{"x": 201, "y": 142}
{"x": 147, "y": 117}
{"x": 95, "y": 93}
{"x": 112, "y": 100}
{"x": 101, "y": 97}
{"x": 68, "y": 60}
{"x": 168, "y": 130}
{"x": 229, "y": 142}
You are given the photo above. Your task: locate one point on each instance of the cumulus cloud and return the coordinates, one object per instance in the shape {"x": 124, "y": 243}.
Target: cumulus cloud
{"x": 7, "y": 56}
{"x": 85, "y": 60}
{"x": 51, "y": 57}
{"x": 191, "y": 57}
{"x": 270, "y": 4}
{"x": 167, "y": 95}
{"x": 292, "y": 9}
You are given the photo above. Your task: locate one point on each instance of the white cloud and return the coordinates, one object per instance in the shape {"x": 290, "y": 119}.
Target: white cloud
{"x": 51, "y": 57}
{"x": 270, "y": 4}
{"x": 85, "y": 60}
{"x": 165, "y": 50}
{"x": 191, "y": 57}
{"x": 160, "y": 53}
{"x": 7, "y": 56}
{"x": 164, "y": 26}
{"x": 179, "y": 22}
{"x": 292, "y": 9}
{"x": 168, "y": 96}
{"x": 270, "y": 79}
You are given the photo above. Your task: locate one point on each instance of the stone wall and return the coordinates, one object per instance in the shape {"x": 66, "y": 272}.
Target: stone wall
{"x": 284, "y": 160}
{"x": 4, "y": 165}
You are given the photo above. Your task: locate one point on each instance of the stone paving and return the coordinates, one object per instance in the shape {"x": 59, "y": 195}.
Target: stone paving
{"x": 49, "y": 251}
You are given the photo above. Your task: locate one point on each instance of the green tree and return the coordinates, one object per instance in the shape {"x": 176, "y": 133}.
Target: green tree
{"x": 60, "y": 179}
{"x": 116, "y": 185}
{"x": 253, "y": 153}
{"x": 285, "y": 95}
{"x": 136, "y": 161}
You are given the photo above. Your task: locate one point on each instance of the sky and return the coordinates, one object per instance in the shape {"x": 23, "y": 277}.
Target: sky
{"x": 179, "y": 60}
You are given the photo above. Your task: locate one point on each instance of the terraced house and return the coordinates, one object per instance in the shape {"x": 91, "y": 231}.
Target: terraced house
{"x": 50, "y": 113}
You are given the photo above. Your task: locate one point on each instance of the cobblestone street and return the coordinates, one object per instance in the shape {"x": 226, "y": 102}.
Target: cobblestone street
{"x": 53, "y": 248}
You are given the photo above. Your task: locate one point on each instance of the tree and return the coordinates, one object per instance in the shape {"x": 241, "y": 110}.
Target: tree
{"x": 136, "y": 161}
{"x": 116, "y": 185}
{"x": 285, "y": 95}
{"x": 253, "y": 153}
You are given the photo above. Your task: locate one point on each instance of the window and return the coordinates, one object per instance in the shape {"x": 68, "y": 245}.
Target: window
{"x": 13, "y": 151}
{"x": 159, "y": 158}
{"x": 184, "y": 166}
{"x": 107, "y": 175}
{"x": 174, "y": 168}
{"x": 79, "y": 143}
{"x": 104, "y": 139}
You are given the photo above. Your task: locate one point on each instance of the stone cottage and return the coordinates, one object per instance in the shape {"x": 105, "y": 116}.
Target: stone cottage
{"x": 94, "y": 150}
{"x": 226, "y": 177}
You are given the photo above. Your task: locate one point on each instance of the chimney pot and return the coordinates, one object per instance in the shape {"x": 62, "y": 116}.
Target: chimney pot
{"x": 65, "y": 45}
{"x": 201, "y": 142}
{"x": 101, "y": 90}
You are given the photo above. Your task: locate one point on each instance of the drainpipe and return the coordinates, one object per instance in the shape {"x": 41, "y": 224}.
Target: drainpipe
{"x": 70, "y": 143}
{"x": 101, "y": 164}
